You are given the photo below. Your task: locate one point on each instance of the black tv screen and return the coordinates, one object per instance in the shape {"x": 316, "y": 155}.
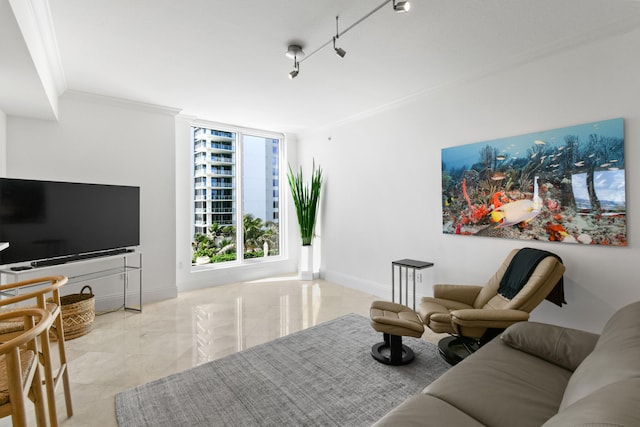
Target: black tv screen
{"x": 47, "y": 219}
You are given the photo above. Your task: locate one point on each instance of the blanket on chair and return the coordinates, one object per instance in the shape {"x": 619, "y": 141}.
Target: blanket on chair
{"x": 519, "y": 271}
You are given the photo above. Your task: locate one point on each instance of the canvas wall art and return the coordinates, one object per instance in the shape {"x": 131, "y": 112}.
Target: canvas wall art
{"x": 562, "y": 185}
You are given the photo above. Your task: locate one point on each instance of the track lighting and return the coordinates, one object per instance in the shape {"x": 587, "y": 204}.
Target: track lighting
{"x": 339, "y": 51}
{"x": 296, "y": 69}
{"x": 401, "y": 6}
{"x": 295, "y": 52}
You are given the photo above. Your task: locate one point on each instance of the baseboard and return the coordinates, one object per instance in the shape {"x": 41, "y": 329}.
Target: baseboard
{"x": 381, "y": 290}
{"x": 308, "y": 275}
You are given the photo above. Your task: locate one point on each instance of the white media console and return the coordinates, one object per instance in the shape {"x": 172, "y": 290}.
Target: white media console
{"x": 87, "y": 271}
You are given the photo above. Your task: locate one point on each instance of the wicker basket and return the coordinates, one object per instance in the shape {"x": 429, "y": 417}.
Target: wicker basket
{"x": 78, "y": 313}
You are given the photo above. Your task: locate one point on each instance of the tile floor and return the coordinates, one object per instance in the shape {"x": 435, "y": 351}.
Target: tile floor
{"x": 126, "y": 349}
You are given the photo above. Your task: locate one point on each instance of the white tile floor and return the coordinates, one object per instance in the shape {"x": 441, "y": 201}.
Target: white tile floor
{"x": 126, "y": 349}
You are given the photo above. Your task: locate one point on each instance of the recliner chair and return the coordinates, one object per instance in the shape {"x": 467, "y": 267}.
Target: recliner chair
{"x": 473, "y": 315}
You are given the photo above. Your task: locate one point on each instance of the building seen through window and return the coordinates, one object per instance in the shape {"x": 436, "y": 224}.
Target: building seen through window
{"x": 235, "y": 196}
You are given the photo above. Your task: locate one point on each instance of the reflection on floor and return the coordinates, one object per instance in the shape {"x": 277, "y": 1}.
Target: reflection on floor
{"x": 126, "y": 349}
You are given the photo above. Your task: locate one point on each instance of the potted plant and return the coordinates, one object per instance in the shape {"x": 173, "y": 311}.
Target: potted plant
{"x": 306, "y": 198}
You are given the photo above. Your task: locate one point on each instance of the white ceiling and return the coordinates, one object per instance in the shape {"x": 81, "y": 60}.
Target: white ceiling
{"x": 224, "y": 60}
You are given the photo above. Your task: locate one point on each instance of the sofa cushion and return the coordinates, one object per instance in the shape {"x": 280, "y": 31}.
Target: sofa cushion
{"x": 424, "y": 410}
{"x": 501, "y": 386}
{"x": 565, "y": 347}
{"x": 613, "y": 405}
{"x": 616, "y": 356}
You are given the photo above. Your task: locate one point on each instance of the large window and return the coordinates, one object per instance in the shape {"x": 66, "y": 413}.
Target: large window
{"x": 236, "y": 189}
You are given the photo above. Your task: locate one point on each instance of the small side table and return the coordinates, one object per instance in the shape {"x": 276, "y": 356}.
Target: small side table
{"x": 406, "y": 264}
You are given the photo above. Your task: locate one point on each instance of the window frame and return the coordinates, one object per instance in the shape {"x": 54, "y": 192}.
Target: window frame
{"x": 239, "y": 132}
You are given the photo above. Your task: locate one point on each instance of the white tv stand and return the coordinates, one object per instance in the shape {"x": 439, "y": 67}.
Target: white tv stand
{"x": 94, "y": 269}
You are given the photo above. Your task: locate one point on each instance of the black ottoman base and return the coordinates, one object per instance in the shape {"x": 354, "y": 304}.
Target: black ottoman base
{"x": 455, "y": 349}
{"x": 392, "y": 351}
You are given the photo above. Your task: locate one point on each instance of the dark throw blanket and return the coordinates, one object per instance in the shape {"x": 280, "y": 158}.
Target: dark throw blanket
{"x": 520, "y": 269}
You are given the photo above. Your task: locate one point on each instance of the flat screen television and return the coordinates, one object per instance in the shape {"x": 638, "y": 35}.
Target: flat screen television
{"x": 60, "y": 221}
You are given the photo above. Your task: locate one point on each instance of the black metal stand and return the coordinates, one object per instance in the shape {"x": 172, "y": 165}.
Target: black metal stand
{"x": 406, "y": 264}
{"x": 392, "y": 351}
{"x": 454, "y": 349}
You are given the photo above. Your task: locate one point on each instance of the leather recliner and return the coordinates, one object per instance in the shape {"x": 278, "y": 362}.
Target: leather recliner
{"x": 473, "y": 315}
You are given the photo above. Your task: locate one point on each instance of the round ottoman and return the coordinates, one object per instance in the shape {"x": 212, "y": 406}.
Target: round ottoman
{"x": 394, "y": 321}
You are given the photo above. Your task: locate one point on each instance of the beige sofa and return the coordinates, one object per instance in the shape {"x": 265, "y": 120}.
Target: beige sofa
{"x": 538, "y": 375}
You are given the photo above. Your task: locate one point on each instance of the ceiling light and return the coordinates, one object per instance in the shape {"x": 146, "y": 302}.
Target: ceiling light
{"x": 339, "y": 51}
{"x": 296, "y": 68}
{"x": 294, "y": 52}
{"x": 401, "y": 6}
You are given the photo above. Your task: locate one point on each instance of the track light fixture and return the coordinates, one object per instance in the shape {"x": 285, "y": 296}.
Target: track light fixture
{"x": 401, "y": 6}
{"x": 339, "y": 51}
{"x": 295, "y": 52}
{"x": 296, "y": 69}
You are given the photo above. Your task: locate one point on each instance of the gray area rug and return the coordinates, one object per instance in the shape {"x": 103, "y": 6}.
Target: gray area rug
{"x": 321, "y": 376}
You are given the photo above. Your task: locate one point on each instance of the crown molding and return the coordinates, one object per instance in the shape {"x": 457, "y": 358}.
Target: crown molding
{"x": 120, "y": 102}
{"x": 42, "y": 15}
{"x": 34, "y": 20}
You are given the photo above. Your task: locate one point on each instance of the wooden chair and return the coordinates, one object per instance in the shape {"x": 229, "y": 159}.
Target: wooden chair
{"x": 19, "y": 367}
{"x": 46, "y": 293}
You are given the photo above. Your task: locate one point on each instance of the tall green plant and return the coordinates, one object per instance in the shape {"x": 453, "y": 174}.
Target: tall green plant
{"x": 306, "y": 198}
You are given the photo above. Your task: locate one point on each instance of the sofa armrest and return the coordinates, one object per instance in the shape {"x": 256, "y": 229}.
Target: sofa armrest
{"x": 614, "y": 405}
{"x": 422, "y": 410}
{"x": 462, "y": 293}
{"x": 564, "y": 347}
{"x": 488, "y": 318}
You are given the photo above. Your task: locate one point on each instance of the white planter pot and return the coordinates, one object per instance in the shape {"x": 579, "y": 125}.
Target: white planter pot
{"x": 305, "y": 271}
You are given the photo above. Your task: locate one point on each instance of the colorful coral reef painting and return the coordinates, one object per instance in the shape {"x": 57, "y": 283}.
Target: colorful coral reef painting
{"x": 562, "y": 185}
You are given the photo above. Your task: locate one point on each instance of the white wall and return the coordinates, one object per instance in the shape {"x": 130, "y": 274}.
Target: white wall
{"x": 391, "y": 208}
{"x": 111, "y": 141}
{"x": 108, "y": 141}
{"x": 3, "y": 143}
